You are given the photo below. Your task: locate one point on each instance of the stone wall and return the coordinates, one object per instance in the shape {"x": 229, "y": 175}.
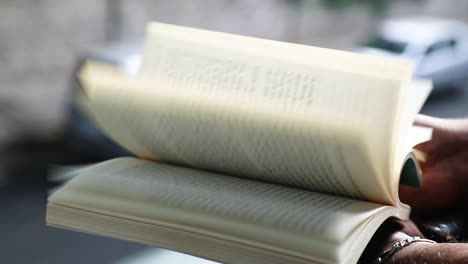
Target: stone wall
{"x": 39, "y": 41}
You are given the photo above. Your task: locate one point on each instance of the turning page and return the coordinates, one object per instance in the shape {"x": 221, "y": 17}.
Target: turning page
{"x": 307, "y": 117}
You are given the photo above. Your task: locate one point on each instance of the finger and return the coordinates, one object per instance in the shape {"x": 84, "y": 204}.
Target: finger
{"x": 429, "y": 151}
{"x": 381, "y": 238}
{"x": 420, "y": 203}
{"x": 433, "y": 195}
{"x": 427, "y": 121}
{"x": 424, "y": 147}
{"x": 423, "y": 198}
{"x": 410, "y": 228}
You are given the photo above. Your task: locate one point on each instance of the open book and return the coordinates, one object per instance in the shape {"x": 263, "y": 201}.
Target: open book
{"x": 250, "y": 150}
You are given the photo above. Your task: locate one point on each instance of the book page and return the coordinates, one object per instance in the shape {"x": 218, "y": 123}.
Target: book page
{"x": 278, "y": 218}
{"x": 295, "y": 115}
{"x": 408, "y": 135}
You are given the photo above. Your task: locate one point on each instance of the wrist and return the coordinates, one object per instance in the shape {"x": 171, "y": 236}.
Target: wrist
{"x": 432, "y": 253}
{"x": 389, "y": 256}
{"x": 408, "y": 253}
{"x": 394, "y": 238}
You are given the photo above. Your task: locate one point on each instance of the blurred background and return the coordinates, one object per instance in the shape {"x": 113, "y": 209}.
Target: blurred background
{"x": 43, "y": 42}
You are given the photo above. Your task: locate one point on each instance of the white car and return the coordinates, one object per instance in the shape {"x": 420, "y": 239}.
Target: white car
{"x": 438, "y": 47}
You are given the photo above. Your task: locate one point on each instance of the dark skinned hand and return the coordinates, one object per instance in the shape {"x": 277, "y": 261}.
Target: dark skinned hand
{"x": 443, "y": 183}
{"x": 445, "y": 170}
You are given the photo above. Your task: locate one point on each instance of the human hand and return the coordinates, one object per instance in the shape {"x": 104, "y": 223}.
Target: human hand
{"x": 393, "y": 230}
{"x": 390, "y": 232}
{"x": 445, "y": 170}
